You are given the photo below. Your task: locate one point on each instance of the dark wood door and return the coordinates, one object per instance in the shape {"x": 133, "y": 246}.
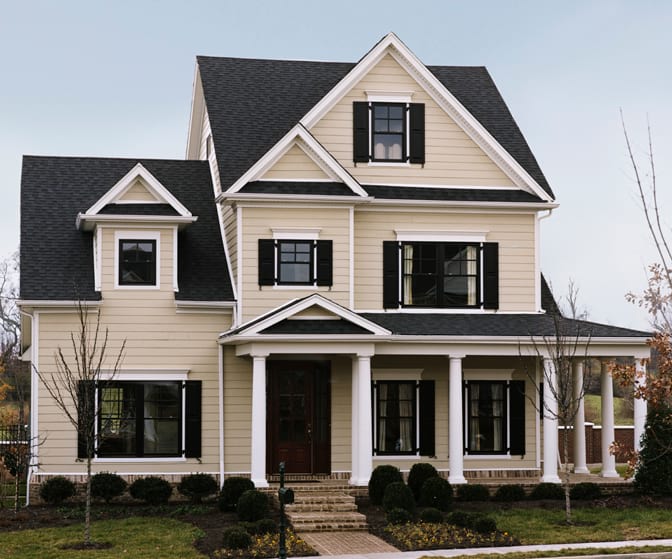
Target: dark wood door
{"x": 298, "y": 417}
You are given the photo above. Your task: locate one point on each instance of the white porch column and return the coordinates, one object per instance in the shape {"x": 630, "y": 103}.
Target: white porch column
{"x": 364, "y": 415}
{"x": 640, "y": 404}
{"x": 550, "y": 408}
{"x": 258, "y": 454}
{"x": 580, "y": 466}
{"x": 354, "y": 476}
{"x": 608, "y": 437}
{"x": 455, "y": 423}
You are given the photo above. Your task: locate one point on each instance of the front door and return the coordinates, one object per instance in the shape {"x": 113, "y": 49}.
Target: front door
{"x": 298, "y": 417}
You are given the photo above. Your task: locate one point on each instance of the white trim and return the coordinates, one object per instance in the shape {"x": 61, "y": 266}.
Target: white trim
{"x": 441, "y": 186}
{"x": 127, "y": 234}
{"x": 67, "y": 306}
{"x": 34, "y": 402}
{"x": 411, "y": 310}
{"x": 196, "y": 113}
{"x": 326, "y": 181}
{"x": 306, "y": 287}
{"x": 220, "y": 411}
{"x": 86, "y": 222}
{"x": 296, "y": 233}
{"x": 97, "y": 259}
{"x": 239, "y": 258}
{"x": 140, "y": 460}
{"x": 373, "y": 96}
{"x": 351, "y": 257}
{"x": 494, "y": 375}
{"x": 145, "y": 375}
{"x": 397, "y": 374}
{"x": 176, "y": 287}
{"x": 441, "y": 236}
{"x": 390, "y": 164}
{"x": 474, "y": 457}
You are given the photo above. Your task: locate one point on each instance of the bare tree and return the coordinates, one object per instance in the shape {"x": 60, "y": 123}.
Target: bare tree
{"x": 73, "y": 384}
{"x": 10, "y": 321}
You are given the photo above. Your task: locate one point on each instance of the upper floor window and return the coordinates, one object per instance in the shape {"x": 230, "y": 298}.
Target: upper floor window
{"x": 440, "y": 275}
{"x": 389, "y": 132}
{"x": 295, "y": 262}
{"x": 137, "y": 262}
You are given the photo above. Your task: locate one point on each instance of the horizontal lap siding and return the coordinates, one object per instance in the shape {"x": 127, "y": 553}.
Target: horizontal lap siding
{"x": 258, "y": 224}
{"x": 341, "y": 415}
{"x": 452, "y": 158}
{"x": 137, "y": 192}
{"x": 237, "y": 412}
{"x": 231, "y": 232}
{"x": 295, "y": 164}
{"x": 513, "y": 232}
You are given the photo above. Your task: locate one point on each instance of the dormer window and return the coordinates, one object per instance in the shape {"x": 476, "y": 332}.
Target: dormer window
{"x": 137, "y": 262}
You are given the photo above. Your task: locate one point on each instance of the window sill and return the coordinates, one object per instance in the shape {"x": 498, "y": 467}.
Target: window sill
{"x": 139, "y": 460}
{"x": 487, "y": 457}
{"x": 304, "y": 287}
{"x": 389, "y": 164}
{"x": 396, "y": 456}
{"x": 137, "y": 287}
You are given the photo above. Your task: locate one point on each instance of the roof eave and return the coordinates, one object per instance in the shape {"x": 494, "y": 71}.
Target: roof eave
{"x": 87, "y": 222}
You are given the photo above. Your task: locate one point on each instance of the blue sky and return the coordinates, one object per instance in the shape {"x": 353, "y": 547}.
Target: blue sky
{"x": 114, "y": 79}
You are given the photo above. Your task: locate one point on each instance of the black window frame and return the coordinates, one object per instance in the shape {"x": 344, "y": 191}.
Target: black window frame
{"x": 279, "y": 260}
{"x": 439, "y": 273}
{"x": 505, "y": 417}
{"x": 404, "y": 130}
{"x": 320, "y": 262}
{"x": 151, "y": 264}
{"x": 415, "y": 417}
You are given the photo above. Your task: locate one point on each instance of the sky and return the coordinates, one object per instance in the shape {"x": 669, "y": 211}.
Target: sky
{"x": 104, "y": 78}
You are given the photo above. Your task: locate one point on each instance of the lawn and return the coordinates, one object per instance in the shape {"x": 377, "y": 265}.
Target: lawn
{"x": 136, "y": 537}
{"x": 593, "y": 406}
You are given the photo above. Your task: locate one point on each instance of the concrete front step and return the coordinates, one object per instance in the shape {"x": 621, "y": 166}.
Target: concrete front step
{"x": 327, "y": 521}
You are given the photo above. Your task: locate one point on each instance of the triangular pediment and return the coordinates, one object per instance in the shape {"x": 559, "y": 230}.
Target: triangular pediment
{"x": 138, "y": 193}
{"x": 296, "y": 164}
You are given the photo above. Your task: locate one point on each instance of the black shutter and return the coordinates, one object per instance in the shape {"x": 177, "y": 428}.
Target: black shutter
{"x": 417, "y": 133}
{"x": 426, "y": 413}
{"x": 192, "y": 420}
{"x": 490, "y": 275}
{"x": 517, "y": 417}
{"x": 374, "y": 416}
{"x": 390, "y": 274}
{"x": 85, "y": 404}
{"x": 266, "y": 261}
{"x": 324, "y": 255}
{"x": 360, "y": 129}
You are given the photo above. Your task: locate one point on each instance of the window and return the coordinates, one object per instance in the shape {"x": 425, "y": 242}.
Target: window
{"x": 389, "y": 132}
{"x": 295, "y": 262}
{"x": 495, "y": 417}
{"x": 147, "y": 419}
{"x": 137, "y": 262}
{"x": 440, "y": 275}
{"x": 403, "y": 417}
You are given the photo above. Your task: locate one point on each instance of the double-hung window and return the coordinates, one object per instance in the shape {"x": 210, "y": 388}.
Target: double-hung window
{"x": 295, "y": 262}
{"x": 137, "y": 262}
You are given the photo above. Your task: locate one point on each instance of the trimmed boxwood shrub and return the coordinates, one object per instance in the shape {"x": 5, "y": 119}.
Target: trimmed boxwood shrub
{"x": 398, "y": 516}
{"x": 550, "y": 491}
{"x": 197, "y": 486}
{"x": 436, "y": 492}
{"x": 398, "y": 496}
{"x": 586, "y": 491}
{"x": 484, "y": 525}
{"x": 420, "y": 473}
{"x": 381, "y": 477}
{"x": 231, "y": 491}
{"x": 56, "y": 490}
{"x": 252, "y": 505}
{"x": 153, "y": 490}
{"x": 236, "y": 538}
{"x": 431, "y": 516}
{"x": 509, "y": 493}
{"x": 107, "y": 486}
{"x": 461, "y": 519}
{"x": 265, "y": 526}
{"x": 472, "y": 492}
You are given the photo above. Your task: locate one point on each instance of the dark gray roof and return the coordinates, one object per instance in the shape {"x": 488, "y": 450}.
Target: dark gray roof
{"x": 139, "y": 209}
{"x": 252, "y": 103}
{"x": 289, "y": 187}
{"x": 57, "y": 258}
{"x": 315, "y": 326}
{"x": 449, "y": 194}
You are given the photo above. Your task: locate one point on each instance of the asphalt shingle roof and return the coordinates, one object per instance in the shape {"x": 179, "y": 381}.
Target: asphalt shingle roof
{"x": 315, "y": 326}
{"x": 57, "y": 258}
{"x": 261, "y": 100}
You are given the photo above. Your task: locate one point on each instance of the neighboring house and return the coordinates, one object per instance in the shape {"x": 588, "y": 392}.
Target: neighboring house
{"x": 343, "y": 273}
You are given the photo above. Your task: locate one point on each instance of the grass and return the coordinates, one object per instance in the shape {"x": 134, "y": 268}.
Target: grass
{"x": 562, "y": 553}
{"x": 139, "y": 538}
{"x": 593, "y": 405}
{"x": 539, "y": 526}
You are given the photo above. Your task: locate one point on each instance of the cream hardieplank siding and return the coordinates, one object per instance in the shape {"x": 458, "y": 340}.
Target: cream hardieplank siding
{"x": 293, "y": 165}
{"x": 157, "y": 338}
{"x": 513, "y": 231}
{"x": 138, "y": 193}
{"x": 259, "y": 222}
{"x": 452, "y": 158}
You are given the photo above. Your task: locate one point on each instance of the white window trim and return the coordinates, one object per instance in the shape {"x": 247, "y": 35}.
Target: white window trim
{"x": 139, "y": 235}
{"x": 389, "y": 96}
{"x": 439, "y": 236}
{"x": 296, "y": 233}
{"x": 403, "y": 97}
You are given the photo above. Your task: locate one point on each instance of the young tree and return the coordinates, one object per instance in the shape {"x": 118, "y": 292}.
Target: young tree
{"x": 73, "y": 384}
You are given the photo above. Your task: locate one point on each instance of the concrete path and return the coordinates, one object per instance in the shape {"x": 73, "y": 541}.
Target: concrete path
{"x": 364, "y": 552}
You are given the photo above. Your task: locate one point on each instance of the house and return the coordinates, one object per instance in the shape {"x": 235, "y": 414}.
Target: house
{"x": 343, "y": 272}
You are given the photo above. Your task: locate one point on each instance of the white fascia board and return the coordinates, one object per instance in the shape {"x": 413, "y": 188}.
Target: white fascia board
{"x": 319, "y": 155}
{"x": 533, "y": 206}
{"x": 86, "y": 222}
{"x": 26, "y": 304}
{"x": 138, "y": 171}
{"x": 195, "y": 116}
{"x": 472, "y": 127}
{"x": 294, "y": 198}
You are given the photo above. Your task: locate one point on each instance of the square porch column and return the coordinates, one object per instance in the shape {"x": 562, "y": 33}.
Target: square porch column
{"x": 362, "y": 459}
{"x": 550, "y": 409}
{"x": 355, "y": 427}
{"x": 608, "y": 436}
{"x": 639, "y": 404}
{"x": 258, "y": 451}
{"x": 455, "y": 422}
{"x": 580, "y": 466}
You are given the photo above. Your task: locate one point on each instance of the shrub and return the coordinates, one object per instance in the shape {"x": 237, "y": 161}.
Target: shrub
{"x": 509, "y": 493}
{"x": 236, "y": 538}
{"x": 381, "y": 477}
{"x": 654, "y": 468}
{"x": 473, "y": 492}
{"x": 56, "y": 490}
{"x": 107, "y": 486}
{"x": 233, "y": 488}
{"x": 461, "y": 519}
{"x": 265, "y": 526}
{"x": 586, "y": 491}
{"x": 551, "y": 491}
{"x": 484, "y": 525}
{"x": 398, "y": 496}
{"x": 431, "y": 516}
{"x": 436, "y": 492}
{"x": 252, "y": 505}
{"x": 398, "y": 516}
{"x": 153, "y": 490}
{"x": 197, "y": 486}
{"x": 420, "y": 473}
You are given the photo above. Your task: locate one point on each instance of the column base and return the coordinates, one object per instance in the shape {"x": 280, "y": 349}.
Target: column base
{"x": 457, "y": 480}
{"x": 550, "y": 478}
{"x": 261, "y": 483}
{"x": 357, "y": 482}
{"x": 581, "y": 470}
{"x": 609, "y": 473}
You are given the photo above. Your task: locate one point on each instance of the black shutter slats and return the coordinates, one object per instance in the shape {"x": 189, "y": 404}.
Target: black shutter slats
{"x": 360, "y": 128}
{"x": 426, "y": 413}
{"x": 324, "y": 255}
{"x": 192, "y": 420}
{"x": 417, "y": 133}
{"x": 266, "y": 262}
{"x": 491, "y": 275}
{"x": 517, "y": 417}
{"x": 390, "y": 274}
